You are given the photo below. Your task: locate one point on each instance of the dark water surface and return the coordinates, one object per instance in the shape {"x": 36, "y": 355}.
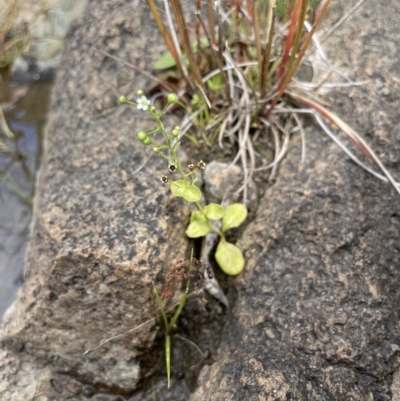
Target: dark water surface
{"x": 27, "y": 120}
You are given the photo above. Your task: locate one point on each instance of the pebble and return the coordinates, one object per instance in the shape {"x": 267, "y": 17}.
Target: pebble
{"x": 88, "y": 390}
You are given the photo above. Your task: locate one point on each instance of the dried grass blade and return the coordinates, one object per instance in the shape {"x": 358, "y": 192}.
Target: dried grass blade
{"x": 258, "y": 40}
{"x": 347, "y": 150}
{"x": 299, "y": 33}
{"x": 163, "y": 30}
{"x": 217, "y": 60}
{"x": 177, "y": 47}
{"x": 284, "y": 83}
{"x": 267, "y": 50}
{"x": 354, "y": 136}
{"x": 183, "y": 32}
{"x": 211, "y": 20}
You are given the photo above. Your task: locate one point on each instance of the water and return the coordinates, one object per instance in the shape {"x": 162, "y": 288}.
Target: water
{"x": 17, "y": 170}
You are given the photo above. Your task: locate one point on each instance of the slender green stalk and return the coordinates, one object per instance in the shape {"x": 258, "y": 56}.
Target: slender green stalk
{"x": 178, "y": 311}
{"x": 170, "y": 324}
{"x": 168, "y": 358}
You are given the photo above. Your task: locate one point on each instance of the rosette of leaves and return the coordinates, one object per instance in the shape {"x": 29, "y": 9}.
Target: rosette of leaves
{"x": 228, "y": 256}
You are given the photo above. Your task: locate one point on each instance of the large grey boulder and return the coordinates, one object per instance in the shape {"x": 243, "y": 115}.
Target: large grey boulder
{"x": 315, "y": 315}
{"x": 101, "y": 233}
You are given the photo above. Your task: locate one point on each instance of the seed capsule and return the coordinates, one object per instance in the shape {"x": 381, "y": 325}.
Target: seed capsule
{"x": 201, "y": 165}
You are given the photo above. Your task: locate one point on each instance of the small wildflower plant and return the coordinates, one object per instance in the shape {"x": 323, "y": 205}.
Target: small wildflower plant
{"x": 206, "y": 218}
{"x": 188, "y": 270}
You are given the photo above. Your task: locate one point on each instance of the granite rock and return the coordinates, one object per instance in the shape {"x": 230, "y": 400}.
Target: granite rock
{"x": 102, "y": 231}
{"x": 315, "y": 314}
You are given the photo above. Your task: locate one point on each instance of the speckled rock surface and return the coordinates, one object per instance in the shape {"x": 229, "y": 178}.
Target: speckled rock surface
{"x": 315, "y": 316}
{"x": 101, "y": 233}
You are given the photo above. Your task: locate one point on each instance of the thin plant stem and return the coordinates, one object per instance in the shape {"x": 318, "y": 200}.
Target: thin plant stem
{"x": 169, "y": 325}
{"x": 168, "y": 357}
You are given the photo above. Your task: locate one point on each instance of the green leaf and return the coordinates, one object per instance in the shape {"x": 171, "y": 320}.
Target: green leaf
{"x": 214, "y": 211}
{"x": 196, "y": 101}
{"x": 215, "y": 83}
{"x": 165, "y": 61}
{"x": 197, "y": 229}
{"x": 198, "y": 216}
{"x": 203, "y": 44}
{"x": 234, "y": 216}
{"x": 192, "y": 193}
{"x": 178, "y": 187}
{"x": 229, "y": 258}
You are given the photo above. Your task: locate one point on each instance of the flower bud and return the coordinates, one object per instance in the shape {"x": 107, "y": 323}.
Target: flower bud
{"x": 156, "y": 149}
{"x": 140, "y": 93}
{"x": 148, "y": 141}
{"x": 142, "y": 136}
{"x": 175, "y": 132}
{"x": 172, "y": 98}
{"x": 153, "y": 109}
{"x": 122, "y": 99}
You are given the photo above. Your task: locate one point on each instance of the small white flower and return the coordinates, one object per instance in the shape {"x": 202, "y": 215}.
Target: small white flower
{"x": 143, "y": 103}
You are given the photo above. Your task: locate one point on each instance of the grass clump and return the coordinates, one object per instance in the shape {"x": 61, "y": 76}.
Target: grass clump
{"x": 234, "y": 65}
